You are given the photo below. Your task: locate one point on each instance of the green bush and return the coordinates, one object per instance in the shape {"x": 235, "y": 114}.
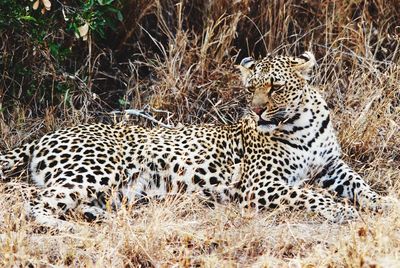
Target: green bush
{"x": 44, "y": 55}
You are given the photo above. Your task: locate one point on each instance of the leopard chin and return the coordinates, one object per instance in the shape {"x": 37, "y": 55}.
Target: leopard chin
{"x": 266, "y": 128}
{"x": 271, "y": 124}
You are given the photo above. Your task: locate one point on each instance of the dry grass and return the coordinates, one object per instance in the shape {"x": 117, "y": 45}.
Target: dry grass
{"x": 185, "y": 233}
{"x": 189, "y": 71}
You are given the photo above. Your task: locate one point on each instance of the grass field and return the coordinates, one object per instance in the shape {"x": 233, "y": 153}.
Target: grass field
{"x": 184, "y": 69}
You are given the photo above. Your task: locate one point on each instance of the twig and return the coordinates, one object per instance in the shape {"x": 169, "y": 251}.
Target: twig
{"x": 142, "y": 114}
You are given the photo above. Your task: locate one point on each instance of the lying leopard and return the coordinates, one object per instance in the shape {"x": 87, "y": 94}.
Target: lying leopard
{"x": 262, "y": 161}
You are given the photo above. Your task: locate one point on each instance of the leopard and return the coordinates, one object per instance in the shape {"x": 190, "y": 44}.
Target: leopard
{"x": 283, "y": 154}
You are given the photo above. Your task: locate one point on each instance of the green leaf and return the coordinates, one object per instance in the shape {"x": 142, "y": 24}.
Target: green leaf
{"x": 28, "y": 18}
{"x": 105, "y": 2}
{"x": 119, "y": 16}
{"x": 54, "y": 49}
{"x": 88, "y": 5}
{"x": 67, "y": 97}
{"x": 123, "y": 102}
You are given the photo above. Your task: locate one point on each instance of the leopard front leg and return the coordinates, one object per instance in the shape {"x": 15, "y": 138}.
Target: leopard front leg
{"x": 341, "y": 179}
{"x": 279, "y": 194}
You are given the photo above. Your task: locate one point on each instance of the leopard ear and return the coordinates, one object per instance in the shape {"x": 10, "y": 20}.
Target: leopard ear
{"x": 304, "y": 63}
{"x": 246, "y": 67}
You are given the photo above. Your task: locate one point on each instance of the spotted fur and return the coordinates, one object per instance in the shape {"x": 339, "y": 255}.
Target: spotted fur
{"x": 262, "y": 161}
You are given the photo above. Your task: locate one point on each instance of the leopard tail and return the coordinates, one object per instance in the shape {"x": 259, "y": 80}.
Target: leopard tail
{"x": 14, "y": 161}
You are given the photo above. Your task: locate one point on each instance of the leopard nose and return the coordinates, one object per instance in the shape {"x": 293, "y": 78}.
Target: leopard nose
{"x": 257, "y": 110}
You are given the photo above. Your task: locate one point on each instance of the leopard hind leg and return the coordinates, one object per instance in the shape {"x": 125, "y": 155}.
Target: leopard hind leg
{"x": 51, "y": 206}
{"x": 93, "y": 212}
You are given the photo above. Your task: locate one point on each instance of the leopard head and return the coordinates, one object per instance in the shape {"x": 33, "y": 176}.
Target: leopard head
{"x": 277, "y": 86}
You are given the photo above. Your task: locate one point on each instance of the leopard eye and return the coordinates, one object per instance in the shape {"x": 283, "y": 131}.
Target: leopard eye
{"x": 275, "y": 88}
{"x": 250, "y": 89}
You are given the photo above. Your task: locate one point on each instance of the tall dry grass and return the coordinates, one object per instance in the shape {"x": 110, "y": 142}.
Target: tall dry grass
{"x": 181, "y": 63}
